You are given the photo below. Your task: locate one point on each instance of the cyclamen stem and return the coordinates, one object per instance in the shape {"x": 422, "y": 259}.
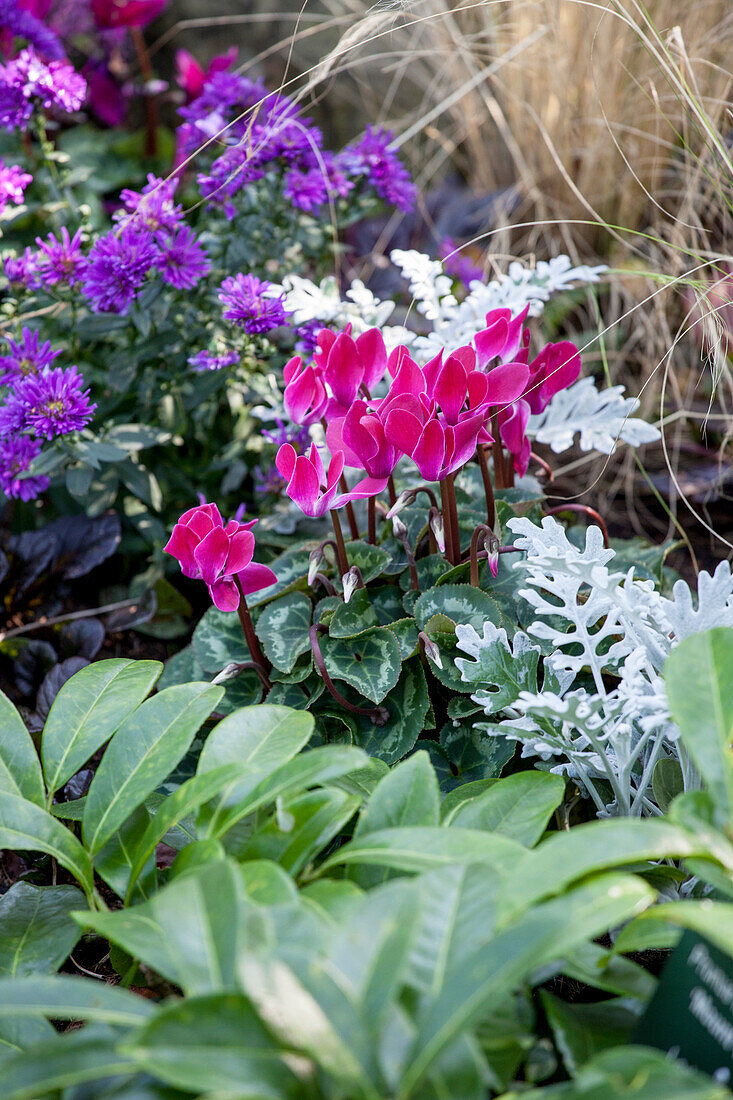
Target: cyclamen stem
{"x": 151, "y": 103}
{"x": 372, "y": 520}
{"x": 481, "y": 532}
{"x": 343, "y": 561}
{"x": 450, "y": 519}
{"x": 488, "y": 487}
{"x": 498, "y": 453}
{"x": 253, "y": 645}
{"x": 391, "y": 490}
{"x": 378, "y": 715}
{"x": 353, "y": 525}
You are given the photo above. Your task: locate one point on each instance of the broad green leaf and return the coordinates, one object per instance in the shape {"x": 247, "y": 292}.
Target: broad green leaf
{"x": 369, "y": 662}
{"x": 595, "y": 966}
{"x": 189, "y": 796}
{"x": 588, "y": 849}
{"x": 260, "y": 737}
{"x": 424, "y": 848}
{"x": 370, "y": 560}
{"x": 214, "y": 1043}
{"x": 61, "y": 997}
{"x": 26, "y": 827}
{"x": 218, "y": 640}
{"x": 197, "y": 854}
{"x": 700, "y": 693}
{"x": 408, "y": 705}
{"x": 17, "y": 1033}
{"x": 283, "y": 629}
{"x": 333, "y": 900}
{"x": 267, "y": 884}
{"x": 519, "y": 806}
{"x": 461, "y": 603}
{"x": 36, "y": 929}
{"x": 353, "y": 617}
{"x": 408, "y": 795}
{"x": 667, "y": 782}
{"x": 300, "y": 828}
{"x": 20, "y": 770}
{"x": 142, "y": 753}
{"x": 113, "y": 862}
{"x": 313, "y": 768}
{"x": 87, "y": 711}
{"x": 62, "y": 1061}
{"x": 483, "y": 976}
{"x": 191, "y": 930}
{"x": 466, "y": 792}
{"x": 582, "y": 1031}
{"x": 711, "y": 919}
{"x": 290, "y": 568}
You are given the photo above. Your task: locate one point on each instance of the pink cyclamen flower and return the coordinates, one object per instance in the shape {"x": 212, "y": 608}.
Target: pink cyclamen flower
{"x": 513, "y": 422}
{"x": 219, "y": 554}
{"x": 192, "y": 77}
{"x": 361, "y": 436}
{"x": 351, "y": 366}
{"x": 305, "y": 396}
{"x": 314, "y": 489}
{"x": 556, "y": 367}
{"x": 109, "y": 14}
{"x": 502, "y": 338}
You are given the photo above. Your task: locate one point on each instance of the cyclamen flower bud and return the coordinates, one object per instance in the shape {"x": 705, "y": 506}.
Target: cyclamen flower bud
{"x": 350, "y": 582}
{"x": 406, "y": 497}
{"x": 317, "y": 557}
{"x": 399, "y": 529}
{"x": 432, "y": 652}
{"x": 438, "y": 528}
{"x": 492, "y": 551}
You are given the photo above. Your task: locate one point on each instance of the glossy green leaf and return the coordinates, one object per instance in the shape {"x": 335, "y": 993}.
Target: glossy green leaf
{"x": 461, "y": 603}
{"x": 369, "y": 662}
{"x": 519, "y": 806}
{"x": 300, "y": 828}
{"x": 214, "y": 1043}
{"x": 260, "y": 738}
{"x": 422, "y": 849}
{"x": 87, "y": 711}
{"x": 667, "y": 782}
{"x": 18, "y": 1033}
{"x": 61, "y": 997}
{"x": 700, "y": 692}
{"x": 582, "y": 1031}
{"x": 283, "y": 629}
{"x": 190, "y": 931}
{"x": 370, "y": 560}
{"x": 20, "y": 770}
{"x": 26, "y": 827}
{"x": 114, "y": 861}
{"x": 142, "y": 753}
{"x": 711, "y": 919}
{"x": 184, "y": 801}
{"x": 408, "y": 795}
{"x": 36, "y": 929}
{"x": 314, "y": 768}
{"x": 537, "y": 937}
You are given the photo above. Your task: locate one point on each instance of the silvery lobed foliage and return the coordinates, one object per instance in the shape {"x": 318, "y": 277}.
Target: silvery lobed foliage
{"x": 599, "y": 417}
{"x": 309, "y": 301}
{"x": 612, "y": 626}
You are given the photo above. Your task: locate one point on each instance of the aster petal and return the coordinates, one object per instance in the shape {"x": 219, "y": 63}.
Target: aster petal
{"x": 211, "y": 554}
{"x": 255, "y": 577}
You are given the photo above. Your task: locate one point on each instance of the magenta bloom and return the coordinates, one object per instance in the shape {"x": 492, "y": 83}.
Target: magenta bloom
{"x": 54, "y": 403}
{"x": 192, "y": 77}
{"x": 556, "y": 367}
{"x": 13, "y": 182}
{"x": 16, "y": 455}
{"x": 314, "y": 490}
{"x": 247, "y": 304}
{"x": 220, "y": 555}
{"x": 27, "y": 356}
{"x": 352, "y": 366}
{"x": 126, "y": 13}
{"x": 305, "y": 395}
{"x": 512, "y": 430}
{"x": 361, "y": 436}
{"x": 60, "y": 261}
{"x": 502, "y": 338}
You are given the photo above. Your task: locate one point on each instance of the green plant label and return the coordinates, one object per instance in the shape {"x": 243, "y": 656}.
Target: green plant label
{"x": 691, "y": 1013}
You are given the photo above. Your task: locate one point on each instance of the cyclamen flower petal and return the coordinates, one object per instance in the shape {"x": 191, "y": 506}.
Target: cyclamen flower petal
{"x": 218, "y": 554}
{"x": 109, "y": 14}
{"x": 556, "y": 367}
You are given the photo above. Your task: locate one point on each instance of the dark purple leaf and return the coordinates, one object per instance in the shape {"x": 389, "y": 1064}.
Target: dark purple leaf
{"x": 54, "y": 681}
{"x": 82, "y": 638}
{"x": 35, "y": 659}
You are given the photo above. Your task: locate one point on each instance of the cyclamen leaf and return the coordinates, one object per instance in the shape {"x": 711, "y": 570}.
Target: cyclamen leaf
{"x": 87, "y": 711}
{"x": 370, "y": 662}
{"x": 142, "y": 753}
{"x": 283, "y": 629}
{"x": 20, "y": 770}
{"x": 500, "y": 670}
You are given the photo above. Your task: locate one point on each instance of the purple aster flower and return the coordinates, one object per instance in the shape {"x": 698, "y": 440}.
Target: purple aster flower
{"x": 60, "y": 261}
{"x": 306, "y": 337}
{"x": 12, "y": 417}
{"x": 16, "y": 455}
{"x": 458, "y": 264}
{"x": 22, "y": 269}
{"x": 117, "y": 268}
{"x": 15, "y": 109}
{"x": 27, "y": 78}
{"x": 210, "y": 360}
{"x": 245, "y": 303}
{"x": 153, "y": 206}
{"x": 372, "y": 157}
{"x": 182, "y": 260}
{"x": 27, "y": 356}
{"x": 13, "y": 182}
{"x": 20, "y": 23}
{"x": 306, "y": 190}
{"x": 55, "y": 403}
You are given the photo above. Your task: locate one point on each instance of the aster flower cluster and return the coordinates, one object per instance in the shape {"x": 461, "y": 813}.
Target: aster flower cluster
{"x": 248, "y": 303}
{"x": 18, "y": 22}
{"x": 27, "y": 82}
{"x": 13, "y": 182}
{"x": 265, "y": 132}
{"x": 41, "y": 402}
